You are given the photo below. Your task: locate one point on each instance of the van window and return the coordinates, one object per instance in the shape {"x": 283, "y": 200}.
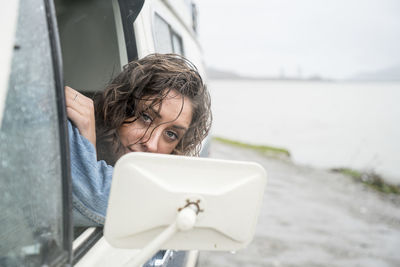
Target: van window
{"x": 163, "y": 42}
{"x": 166, "y": 39}
{"x": 89, "y": 43}
{"x": 177, "y": 43}
{"x": 31, "y": 204}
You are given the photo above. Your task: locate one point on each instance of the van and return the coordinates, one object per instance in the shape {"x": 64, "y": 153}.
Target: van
{"x": 83, "y": 44}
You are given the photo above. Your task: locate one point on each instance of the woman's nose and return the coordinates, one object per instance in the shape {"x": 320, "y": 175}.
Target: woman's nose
{"x": 153, "y": 141}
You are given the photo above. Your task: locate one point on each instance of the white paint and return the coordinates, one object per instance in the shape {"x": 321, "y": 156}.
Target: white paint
{"x": 8, "y": 21}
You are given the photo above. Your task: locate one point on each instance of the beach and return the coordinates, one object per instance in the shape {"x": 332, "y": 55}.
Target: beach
{"x": 314, "y": 217}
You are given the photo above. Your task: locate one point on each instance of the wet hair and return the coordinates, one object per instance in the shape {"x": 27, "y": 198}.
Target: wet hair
{"x": 151, "y": 78}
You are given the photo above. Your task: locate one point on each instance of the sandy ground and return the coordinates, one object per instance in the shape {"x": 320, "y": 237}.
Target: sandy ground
{"x": 314, "y": 217}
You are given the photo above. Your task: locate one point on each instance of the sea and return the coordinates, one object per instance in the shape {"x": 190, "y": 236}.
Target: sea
{"x": 324, "y": 124}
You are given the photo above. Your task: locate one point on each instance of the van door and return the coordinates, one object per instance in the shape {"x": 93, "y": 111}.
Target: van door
{"x": 34, "y": 166}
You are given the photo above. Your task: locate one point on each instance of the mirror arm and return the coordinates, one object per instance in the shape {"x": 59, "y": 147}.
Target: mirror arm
{"x": 185, "y": 220}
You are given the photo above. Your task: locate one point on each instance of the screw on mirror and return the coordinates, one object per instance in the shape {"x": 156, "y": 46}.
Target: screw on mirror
{"x": 193, "y": 205}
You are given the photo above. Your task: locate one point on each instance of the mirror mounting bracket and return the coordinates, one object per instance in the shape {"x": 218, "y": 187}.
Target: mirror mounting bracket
{"x": 185, "y": 221}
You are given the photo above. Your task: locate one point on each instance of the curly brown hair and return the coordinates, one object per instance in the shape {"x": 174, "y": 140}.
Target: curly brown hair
{"x": 152, "y": 76}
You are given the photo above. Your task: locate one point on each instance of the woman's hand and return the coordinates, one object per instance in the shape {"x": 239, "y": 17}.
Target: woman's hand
{"x": 80, "y": 110}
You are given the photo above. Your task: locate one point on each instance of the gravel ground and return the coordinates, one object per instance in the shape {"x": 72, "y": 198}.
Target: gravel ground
{"x": 313, "y": 217}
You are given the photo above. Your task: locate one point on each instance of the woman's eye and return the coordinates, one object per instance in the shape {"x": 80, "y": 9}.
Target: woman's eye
{"x": 146, "y": 118}
{"x": 171, "y": 135}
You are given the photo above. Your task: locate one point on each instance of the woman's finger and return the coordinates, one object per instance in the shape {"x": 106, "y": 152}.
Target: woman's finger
{"x": 80, "y": 110}
{"x": 70, "y": 93}
{"x": 75, "y": 96}
{"x": 83, "y": 108}
{"x": 78, "y": 101}
{"x": 74, "y": 116}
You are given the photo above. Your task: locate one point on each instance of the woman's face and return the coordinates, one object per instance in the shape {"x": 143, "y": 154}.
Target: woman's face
{"x": 158, "y": 129}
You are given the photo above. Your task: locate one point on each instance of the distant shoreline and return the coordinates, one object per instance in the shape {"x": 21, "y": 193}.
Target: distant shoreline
{"x": 214, "y": 74}
{"x": 217, "y": 75}
{"x": 252, "y": 79}
{"x": 368, "y": 178}
{"x": 270, "y": 79}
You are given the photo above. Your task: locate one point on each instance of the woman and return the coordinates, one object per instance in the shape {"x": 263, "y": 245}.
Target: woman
{"x": 157, "y": 104}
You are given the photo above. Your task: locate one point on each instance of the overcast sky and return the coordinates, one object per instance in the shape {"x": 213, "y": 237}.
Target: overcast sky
{"x": 332, "y": 38}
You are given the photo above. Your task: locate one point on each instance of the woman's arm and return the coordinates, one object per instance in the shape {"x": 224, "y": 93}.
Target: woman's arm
{"x": 80, "y": 110}
{"x": 91, "y": 179}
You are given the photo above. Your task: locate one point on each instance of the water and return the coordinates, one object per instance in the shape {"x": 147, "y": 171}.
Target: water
{"x": 322, "y": 124}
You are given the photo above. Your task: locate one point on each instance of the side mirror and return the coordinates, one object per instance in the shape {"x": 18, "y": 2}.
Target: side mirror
{"x": 183, "y": 203}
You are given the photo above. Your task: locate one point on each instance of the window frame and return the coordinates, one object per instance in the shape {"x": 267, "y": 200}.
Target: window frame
{"x": 171, "y": 32}
{"x": 129, "y": 11}
{"x": 64, "y": 256}
{"x": 62, "y": 124}
{"x": 180, "y": 40}
{"x": 88, "y": 242}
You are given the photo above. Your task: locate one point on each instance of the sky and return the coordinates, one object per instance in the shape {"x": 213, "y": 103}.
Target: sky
{"x": 300, "y": 38}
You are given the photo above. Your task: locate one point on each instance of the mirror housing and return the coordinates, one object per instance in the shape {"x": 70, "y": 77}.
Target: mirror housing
{"x": 150, "y": 190}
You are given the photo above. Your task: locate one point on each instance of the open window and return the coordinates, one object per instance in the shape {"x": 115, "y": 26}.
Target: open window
{"x": 91, "y": 55}
{"x": 89, "y": 43}
{"x": 97, "y": 39}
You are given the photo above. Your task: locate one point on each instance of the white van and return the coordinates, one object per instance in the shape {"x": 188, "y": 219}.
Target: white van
{"x": 83, "y": 43}
{"x": 80, "y": 43}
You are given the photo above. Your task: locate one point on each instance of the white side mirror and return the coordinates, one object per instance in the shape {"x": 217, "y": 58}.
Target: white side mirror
{"x": 183, "y": 203}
